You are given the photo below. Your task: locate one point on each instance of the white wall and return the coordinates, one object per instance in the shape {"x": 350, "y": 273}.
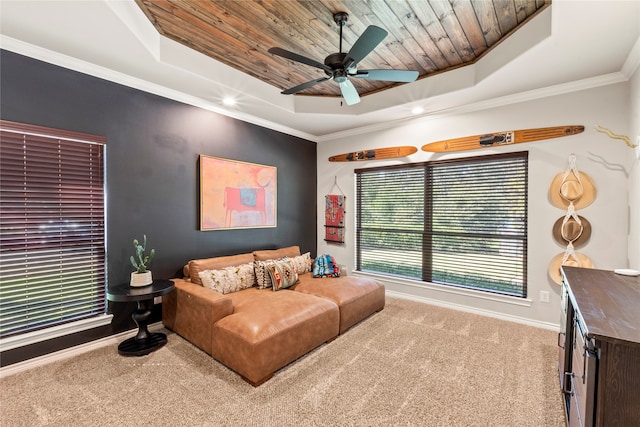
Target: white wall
{"x": 634, "y": 176}
{"x": 605, "y": 160}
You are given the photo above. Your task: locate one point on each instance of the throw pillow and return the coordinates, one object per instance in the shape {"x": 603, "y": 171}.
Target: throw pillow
{"x": 302, "y": 263}
{"x": 229, "y": 279}
{"x": 262, "y": 276}
{"x": 325, "y": 266}
{"x": 282, "y": 273}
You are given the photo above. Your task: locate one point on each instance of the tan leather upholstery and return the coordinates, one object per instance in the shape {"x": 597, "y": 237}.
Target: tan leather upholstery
{"x": 268, "y": 330}
{"x": 265, "y": 255}
{"x": 258, "y": 331}
{"x": 357, "y": 297}
{"x": 191, "y": 310}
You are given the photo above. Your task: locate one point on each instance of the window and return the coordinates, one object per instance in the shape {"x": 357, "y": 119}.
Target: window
{"x": 52, "y": 245}
{"x": 456, "y": 222}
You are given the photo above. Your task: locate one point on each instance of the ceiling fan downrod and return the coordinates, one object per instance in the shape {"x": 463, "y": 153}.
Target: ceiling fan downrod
{"x": 341, "y": 19}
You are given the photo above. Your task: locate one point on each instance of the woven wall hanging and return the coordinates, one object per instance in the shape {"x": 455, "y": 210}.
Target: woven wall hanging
{"x": 334, "y": 215}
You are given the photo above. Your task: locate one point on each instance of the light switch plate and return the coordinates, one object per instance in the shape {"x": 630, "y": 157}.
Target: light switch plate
{"x": 544, "y": 296}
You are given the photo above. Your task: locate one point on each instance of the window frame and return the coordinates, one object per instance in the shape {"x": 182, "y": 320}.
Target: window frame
{"x": 93, "y": 231}
{"x": 515, "y": 242}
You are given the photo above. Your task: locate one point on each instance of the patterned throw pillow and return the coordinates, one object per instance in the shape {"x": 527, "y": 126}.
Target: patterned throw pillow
{"x": 325, "y": 266}
{"x": 262, "y": 277}
{"x": 302, "y": 263}
{"x": 282, "y": 273}
{"x": 229, "y": 279}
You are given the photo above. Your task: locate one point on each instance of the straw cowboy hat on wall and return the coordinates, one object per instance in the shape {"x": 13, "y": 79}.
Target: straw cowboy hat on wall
{"x": 574, "y": 259}
{"x": 572, "y": 186}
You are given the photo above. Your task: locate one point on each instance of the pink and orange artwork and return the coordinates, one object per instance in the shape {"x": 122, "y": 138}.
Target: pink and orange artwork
{"x": 236, "y": 194}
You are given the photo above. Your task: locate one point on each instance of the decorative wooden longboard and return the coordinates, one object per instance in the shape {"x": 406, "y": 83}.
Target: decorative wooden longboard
{"x": 501, "y": 138}
{"x": 375, "y": 154}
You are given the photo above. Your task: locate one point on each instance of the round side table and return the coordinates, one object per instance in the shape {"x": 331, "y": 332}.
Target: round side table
{"x": 144, "y": 342}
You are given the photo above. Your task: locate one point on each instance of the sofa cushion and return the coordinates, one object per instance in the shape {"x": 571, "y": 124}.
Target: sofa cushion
{"x": 194, "y": 267}
{"x": 291, "y": 251}
{"x": 357, "y": 297}
{"x": 269, "y": 329}
{"x": 282, "y": 273}
{"x": 229, "y": 279}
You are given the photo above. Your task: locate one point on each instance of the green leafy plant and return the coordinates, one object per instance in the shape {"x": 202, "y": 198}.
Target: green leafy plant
{"x": 144, "y": 260}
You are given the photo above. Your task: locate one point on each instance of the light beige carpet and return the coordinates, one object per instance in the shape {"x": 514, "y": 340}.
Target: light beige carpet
{"x": 410, "y": 365}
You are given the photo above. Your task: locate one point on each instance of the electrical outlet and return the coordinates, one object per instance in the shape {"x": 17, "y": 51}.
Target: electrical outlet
{"x": 544, "y": 296}
{"x": 157, "y": 300}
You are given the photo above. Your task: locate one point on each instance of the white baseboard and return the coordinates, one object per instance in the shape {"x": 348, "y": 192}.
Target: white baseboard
{"x": 467, "y": 309}
{"x": 70, "y": 352}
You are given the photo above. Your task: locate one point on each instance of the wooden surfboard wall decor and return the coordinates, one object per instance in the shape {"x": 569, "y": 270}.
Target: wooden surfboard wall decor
{"x": 501, "y": 138}
{"x": 375, "y": 154}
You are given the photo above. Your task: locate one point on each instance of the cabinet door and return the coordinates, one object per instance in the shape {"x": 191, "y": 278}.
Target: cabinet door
{"x": 583, "y": 364}
{"x": 572, "y": 406}
{"x": 565, "y": 339}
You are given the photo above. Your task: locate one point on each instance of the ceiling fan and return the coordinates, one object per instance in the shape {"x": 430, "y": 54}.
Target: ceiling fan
{"x": 340, "y": 66}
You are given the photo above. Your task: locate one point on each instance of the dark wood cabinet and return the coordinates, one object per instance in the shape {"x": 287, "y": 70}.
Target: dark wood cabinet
{"x": 599, "y": 348}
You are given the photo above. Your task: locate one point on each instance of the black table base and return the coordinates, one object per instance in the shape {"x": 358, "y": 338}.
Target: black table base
{"x": 135, "y": 347}
{"x": 144, "y": 342}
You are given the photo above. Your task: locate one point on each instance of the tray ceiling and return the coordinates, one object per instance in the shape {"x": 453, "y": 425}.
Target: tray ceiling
{"x": 428, "y": 36}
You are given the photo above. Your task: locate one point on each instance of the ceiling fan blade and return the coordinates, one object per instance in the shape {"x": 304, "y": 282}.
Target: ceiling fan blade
{"x": 304, "y": 86}
{"x": 299, "y": 58}
{"x": 367, "y": 41}
{"x": 405, "y": 76}
{"x": 349, "y": 92}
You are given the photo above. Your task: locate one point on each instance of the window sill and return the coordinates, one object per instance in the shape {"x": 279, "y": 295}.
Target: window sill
{"x": 54, "y": 332}
{"x": 506, "y": 299}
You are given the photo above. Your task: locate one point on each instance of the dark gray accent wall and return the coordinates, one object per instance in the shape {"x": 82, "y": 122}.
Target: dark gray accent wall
{"x": 153, "y": 144}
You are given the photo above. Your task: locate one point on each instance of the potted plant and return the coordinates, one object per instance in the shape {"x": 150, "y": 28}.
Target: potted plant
{"x": 142, "y": 276}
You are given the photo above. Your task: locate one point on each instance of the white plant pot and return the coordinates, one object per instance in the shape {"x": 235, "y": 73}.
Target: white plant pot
{"x": 140, "y": 279}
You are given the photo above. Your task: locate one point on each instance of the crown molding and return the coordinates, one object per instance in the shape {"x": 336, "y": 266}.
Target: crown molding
{"x": 545, "y": 92}
{"x": 633, "y": 60}
{"x": 628, "y": 69}
{"x": 94, "y": 70}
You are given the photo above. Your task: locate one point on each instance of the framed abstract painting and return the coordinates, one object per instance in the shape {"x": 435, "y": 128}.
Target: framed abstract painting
{"x": 236, "y": 194}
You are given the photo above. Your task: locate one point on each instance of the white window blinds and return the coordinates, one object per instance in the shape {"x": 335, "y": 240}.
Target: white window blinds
{"x": 459, "y": 222}
{"x": 52, "y": 228}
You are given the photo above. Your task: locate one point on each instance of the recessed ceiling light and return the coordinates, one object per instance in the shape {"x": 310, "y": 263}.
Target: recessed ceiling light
{"x": 417, "y": 110}
{"x": 229, "y": 101}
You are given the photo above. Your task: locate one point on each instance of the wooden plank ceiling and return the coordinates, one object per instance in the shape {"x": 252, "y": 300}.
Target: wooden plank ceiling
{"x": 428, "y": 36}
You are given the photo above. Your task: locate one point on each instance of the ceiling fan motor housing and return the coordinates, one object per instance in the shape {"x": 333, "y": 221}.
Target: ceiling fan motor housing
{"x": 335, "y": 61}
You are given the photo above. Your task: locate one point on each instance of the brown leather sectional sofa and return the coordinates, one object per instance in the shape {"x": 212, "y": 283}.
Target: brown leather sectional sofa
{"x": 254, "y": 331}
